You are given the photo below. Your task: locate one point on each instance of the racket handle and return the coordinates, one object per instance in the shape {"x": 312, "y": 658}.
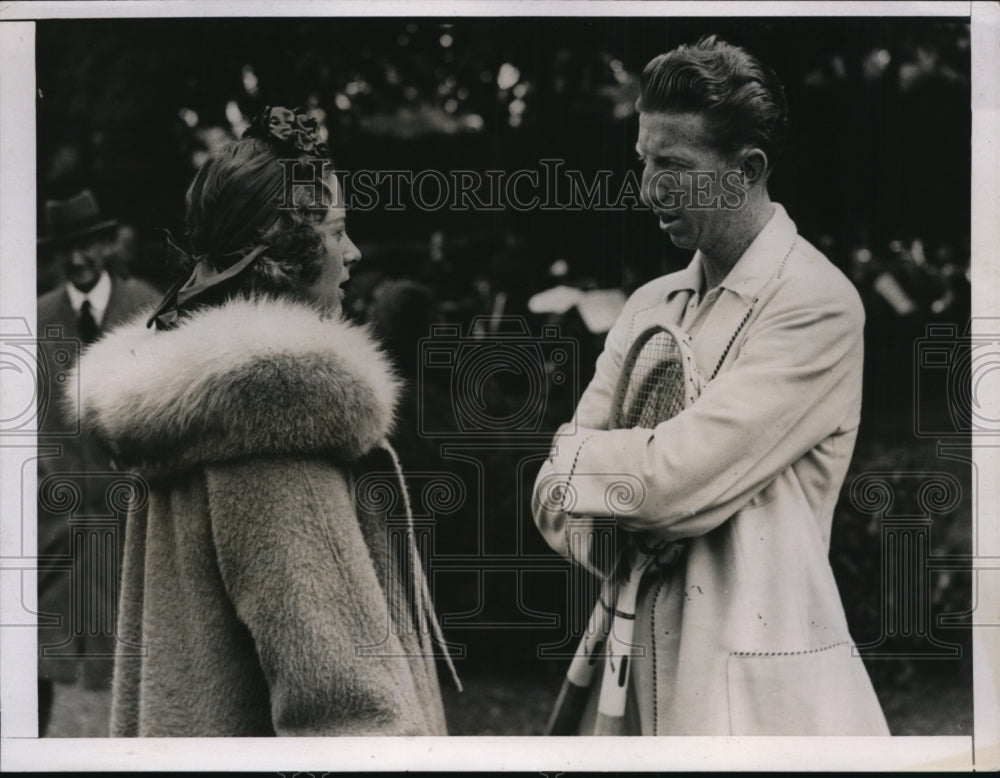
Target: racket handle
{"x": 581, "y": 668}
{"x": 609, "y": 725}
{"x": 614, "y": 684}
{"x": 619, "y": 650}
{"x": 568, "y": 711}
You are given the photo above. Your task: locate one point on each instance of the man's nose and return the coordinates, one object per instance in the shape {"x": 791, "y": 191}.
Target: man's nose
{"x": 644, "y": 193}
{"x": 78, "y": 256}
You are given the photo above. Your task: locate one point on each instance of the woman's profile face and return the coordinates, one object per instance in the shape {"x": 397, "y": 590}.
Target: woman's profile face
{"x": 339, "y": 257}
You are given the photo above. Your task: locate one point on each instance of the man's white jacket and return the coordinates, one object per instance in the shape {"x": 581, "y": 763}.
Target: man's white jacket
{"x": 746, "y": 634}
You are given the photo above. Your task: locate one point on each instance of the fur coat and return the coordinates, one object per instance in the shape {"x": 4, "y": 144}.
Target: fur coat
{"x": 265, "y": 589}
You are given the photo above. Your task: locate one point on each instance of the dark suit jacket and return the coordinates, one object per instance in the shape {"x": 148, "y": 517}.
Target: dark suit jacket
{"x": 80, "y": 527}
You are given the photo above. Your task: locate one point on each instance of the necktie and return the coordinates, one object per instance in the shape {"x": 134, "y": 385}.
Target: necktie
{"x": 88, "y": 327}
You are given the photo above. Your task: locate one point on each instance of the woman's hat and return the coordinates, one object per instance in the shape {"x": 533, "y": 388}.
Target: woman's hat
{"x": 74, "y": 218}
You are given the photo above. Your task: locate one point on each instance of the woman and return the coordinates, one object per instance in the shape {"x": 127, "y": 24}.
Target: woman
{"x": 264, "y": 591}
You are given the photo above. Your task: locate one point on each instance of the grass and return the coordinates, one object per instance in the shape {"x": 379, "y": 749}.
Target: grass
{"x": 521, "y": 706}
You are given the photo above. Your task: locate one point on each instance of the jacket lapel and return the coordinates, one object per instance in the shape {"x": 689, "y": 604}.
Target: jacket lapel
{"x": 723, "y": 320}
{"x": 65, "y": 318}
{"x": 721, "y": 329}
{"x": 676, "y": 292}
{"x": 716, "y": 344}
{"x": 118, "y": 306}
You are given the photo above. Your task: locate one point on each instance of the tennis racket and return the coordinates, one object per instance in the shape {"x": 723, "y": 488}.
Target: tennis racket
{"x": 659, "y": 378}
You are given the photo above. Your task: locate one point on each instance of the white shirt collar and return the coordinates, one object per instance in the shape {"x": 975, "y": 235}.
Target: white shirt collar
{"x": 755, "y": 266}
{"x": 99, "y": 296}
{"x": 761, "y": 259}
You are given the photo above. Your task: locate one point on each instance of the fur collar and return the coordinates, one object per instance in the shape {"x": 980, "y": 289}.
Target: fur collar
{"x": 250, "y": 378}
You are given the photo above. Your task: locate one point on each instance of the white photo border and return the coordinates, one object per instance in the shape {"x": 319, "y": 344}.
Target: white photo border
{"x": 21, "y": 749}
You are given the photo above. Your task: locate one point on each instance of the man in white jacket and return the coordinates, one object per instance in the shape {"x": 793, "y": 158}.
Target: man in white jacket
{"x": 745, "y": 632}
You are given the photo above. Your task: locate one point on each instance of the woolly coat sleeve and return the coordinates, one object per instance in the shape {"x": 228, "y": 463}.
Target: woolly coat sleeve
{"x": 299, "y": 574}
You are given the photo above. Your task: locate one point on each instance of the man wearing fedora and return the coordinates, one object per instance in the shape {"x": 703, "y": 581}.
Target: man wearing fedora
{"x": 77, "y": 585}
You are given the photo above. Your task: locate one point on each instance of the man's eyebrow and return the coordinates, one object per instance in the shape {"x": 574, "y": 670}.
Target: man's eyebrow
{"x": 671, "y": 155}
{"x": 658, "y": 153}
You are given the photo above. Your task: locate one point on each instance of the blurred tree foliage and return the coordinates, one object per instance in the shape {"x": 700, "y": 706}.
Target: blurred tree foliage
{"x": 879, "y": 148}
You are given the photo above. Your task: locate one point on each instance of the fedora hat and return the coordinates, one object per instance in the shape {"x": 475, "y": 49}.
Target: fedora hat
{"x": 74, "y": 218}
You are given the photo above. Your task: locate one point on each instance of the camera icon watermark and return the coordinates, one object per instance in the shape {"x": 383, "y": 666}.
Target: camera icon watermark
{"x": 956, "y": 378}
{"x": 499, "y": 378}
{"x": 621, "y": 493}
{"x": 409, "y": 543}
{"x": 909, "y": 624}
{"x": 36, "y": 373}
{"x": 83, "y": 514}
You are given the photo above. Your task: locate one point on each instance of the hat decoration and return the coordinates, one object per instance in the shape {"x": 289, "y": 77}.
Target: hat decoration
{"x": 291, "y": 128}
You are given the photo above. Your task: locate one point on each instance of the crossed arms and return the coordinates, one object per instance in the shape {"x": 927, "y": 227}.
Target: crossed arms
{"x": 794, "y": 382}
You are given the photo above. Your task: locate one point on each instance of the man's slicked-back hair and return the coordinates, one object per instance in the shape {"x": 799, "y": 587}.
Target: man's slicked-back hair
{"x": 741, "y": 98}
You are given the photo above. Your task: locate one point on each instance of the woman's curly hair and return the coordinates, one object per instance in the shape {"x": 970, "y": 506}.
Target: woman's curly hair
{"x": 249, "y": 194}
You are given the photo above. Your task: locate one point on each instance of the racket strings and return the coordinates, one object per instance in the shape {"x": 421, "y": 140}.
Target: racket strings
{"x": 652, "y": 404}
{"x": 655, "y": 389}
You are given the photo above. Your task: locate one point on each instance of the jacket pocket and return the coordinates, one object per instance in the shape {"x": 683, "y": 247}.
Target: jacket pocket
{"x": 823, "y": 691}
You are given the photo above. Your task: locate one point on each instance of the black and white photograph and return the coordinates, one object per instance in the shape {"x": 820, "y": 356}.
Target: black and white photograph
{"x": 407, "y": 378}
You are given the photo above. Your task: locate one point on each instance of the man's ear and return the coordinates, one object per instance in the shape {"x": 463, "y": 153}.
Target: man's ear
{"x": 754, "y": 166}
